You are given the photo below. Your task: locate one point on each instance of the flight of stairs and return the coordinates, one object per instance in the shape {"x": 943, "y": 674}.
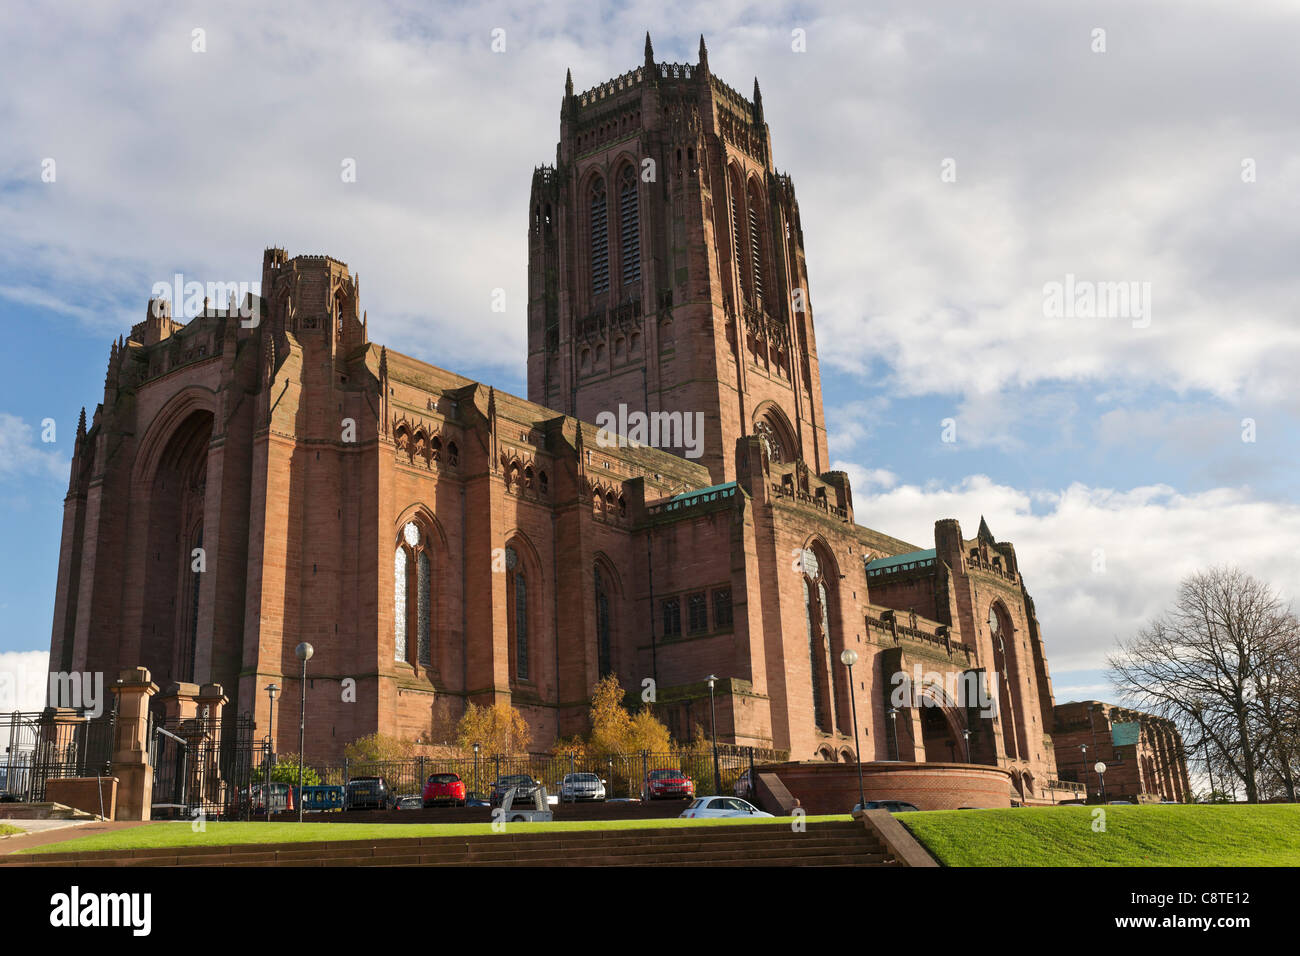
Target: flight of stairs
{"x": 42, "y": 811}
{"x": 835, "y": 843}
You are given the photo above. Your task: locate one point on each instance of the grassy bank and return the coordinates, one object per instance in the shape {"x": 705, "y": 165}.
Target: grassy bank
{"x": 1155, "y": 835}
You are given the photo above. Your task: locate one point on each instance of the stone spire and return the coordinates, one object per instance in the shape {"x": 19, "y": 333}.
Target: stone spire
{"x": 649, "y": 52}
{"x": 758, "y": 101}
{"x": 704, "y": 56}
{"x": 568, "y": 83}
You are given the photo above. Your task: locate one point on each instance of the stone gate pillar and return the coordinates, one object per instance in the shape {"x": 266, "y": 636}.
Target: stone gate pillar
{"x": 131, "y": 744}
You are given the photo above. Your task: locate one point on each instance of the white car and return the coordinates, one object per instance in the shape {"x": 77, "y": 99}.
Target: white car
{"x": 721, "y": 807}
{"x": 581, "y": 786}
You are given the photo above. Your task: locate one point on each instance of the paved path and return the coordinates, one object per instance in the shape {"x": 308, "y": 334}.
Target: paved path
{"x": 41, "y": 832}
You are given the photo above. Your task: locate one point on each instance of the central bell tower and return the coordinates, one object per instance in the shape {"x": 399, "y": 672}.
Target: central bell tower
{"x": 666, "y": 268}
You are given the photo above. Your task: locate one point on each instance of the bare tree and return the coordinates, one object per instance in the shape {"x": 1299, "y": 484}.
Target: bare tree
{"x": 1221, "y": 663}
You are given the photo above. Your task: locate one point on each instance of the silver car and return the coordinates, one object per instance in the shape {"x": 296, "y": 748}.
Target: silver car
{"x": 581, "y": 786}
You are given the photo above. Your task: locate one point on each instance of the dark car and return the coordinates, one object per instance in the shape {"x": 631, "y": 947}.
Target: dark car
{"x": 893, "y": 806}
{"x": 525, "y": 786}
{"x": 366, "y": 793}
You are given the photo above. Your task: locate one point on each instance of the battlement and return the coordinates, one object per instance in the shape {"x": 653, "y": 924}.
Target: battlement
{"x": 611, "y": 87}
{"x": 730, "y": 96}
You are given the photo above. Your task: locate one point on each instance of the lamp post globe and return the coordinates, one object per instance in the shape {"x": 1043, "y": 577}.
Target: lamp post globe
{"x": 1101, "y": 775}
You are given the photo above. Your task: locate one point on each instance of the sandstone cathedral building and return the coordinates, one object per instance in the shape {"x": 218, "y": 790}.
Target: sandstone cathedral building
{"x": 442, "y": 543}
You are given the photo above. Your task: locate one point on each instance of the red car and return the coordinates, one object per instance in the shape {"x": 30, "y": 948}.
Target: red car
{"x": 445, "y": 788}
{"x": 668, "y": 784}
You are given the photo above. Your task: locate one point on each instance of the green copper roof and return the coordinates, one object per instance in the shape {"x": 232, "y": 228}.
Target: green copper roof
{"x": 912, "y": 557}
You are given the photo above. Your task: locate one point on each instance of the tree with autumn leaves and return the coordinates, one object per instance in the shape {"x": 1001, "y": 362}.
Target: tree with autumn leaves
{"x": 615, "y": 730}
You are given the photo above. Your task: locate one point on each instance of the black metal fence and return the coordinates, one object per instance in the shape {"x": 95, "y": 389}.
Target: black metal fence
{"x": 202, "y": 767}
{"x": 39, "y": 747}
{"x": 624, "y": 774}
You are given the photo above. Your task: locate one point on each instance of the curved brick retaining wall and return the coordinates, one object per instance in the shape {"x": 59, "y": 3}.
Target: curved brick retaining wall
{"x": 833, "y": 787}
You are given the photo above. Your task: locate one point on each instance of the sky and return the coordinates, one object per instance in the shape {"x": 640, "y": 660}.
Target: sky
{"x": 956, "y": 172}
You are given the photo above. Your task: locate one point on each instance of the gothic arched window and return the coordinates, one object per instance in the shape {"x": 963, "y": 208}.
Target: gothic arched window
{"x": 629, "y": 226}
{"x": 599, "y": 239}
{"x": 518, "y": 619}
{"x": 737, "y": 242}
{"x": 755, "y": 245}
{"x": 817, "y": 621}
{"x": 412, "y": 596}
{"x": 603, "y": 664}
{"x": 1007, "y": 669}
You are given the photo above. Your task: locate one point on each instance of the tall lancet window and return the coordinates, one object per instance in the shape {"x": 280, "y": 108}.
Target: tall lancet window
{"x": 755, "y": 246}
{"x": 629, "y": 226}
{"x": 736, "y": 257}
{"x": 412, "y": 596}
{"x": 817, "y": 619}
{"x": 819, "y": 707}
{"x": 399, "y": 605}
{"x": 599, "y": 239}
{"x": 422, "y": 608}
{"x": 603, "y": 662}
{"x": 518, "y": 620}
{"x": 192, "y": 629}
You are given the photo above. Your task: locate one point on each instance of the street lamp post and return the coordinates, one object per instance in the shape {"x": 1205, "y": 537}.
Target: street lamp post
{"x": 476, "y": 768}
{"x": 303, "y": 651}
{"x": 1083, "y": 748}
{"x": 965, "y": 735}
{"x": 713, "y": 709}
{"x": 271, "y": 691}
{"x": 1101, "y": 775}
{"x": 850, "y": 657}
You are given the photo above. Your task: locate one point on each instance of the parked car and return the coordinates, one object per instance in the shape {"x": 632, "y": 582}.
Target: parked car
{"x": 476, "y": 799}
{"x": 524, "y": 784}
{"x": 281, "y": 795}
{"x": 668, "y": 784}
{"x": 445, "y": 788}
{"x": 322, "y": 797}
{"x": 581, "y": 786}
{"x": 366, "y": 793}
{"x": 409, "y": 801}
{"x": 893, "y": 806}
{"x": 721, "y": 807}
{"x": 1120, "y": 803}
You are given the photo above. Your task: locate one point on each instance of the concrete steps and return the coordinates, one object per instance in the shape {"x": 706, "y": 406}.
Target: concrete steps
{"x": 822, "y": 844}
{"x": 43, "y": 811}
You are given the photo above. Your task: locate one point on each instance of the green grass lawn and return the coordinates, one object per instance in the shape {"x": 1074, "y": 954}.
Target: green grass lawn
{"x": 9, "y": 830}
{"x": 1156, "y": 835}
{"x": 225, "y": 834}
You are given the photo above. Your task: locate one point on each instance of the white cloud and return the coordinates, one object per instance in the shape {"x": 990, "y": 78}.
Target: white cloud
{"x": 1144, "y": 540}
{"x": 23, "y": 680}
{"x": 1117, "y": 166}
{"x": 22, "y": 455}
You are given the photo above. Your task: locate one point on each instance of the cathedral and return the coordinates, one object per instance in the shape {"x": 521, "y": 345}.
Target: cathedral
{"x": 661, "y": 507}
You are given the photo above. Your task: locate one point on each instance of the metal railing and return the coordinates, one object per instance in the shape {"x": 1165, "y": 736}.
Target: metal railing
{"x": 40, "y": 747}
{"x": 624, "y": 774}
